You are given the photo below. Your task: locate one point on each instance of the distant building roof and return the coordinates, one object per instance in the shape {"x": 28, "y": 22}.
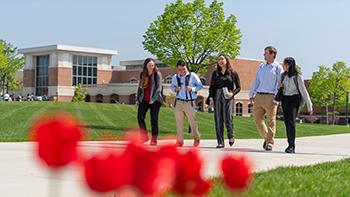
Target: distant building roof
{"x": 61, "y": 47}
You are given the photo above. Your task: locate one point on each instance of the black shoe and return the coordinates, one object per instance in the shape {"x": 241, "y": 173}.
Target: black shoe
{"x": 264, "y": 145}
{"x": 268, "y": 147}
{"x": 290, "y": 149}
{"x": 220, "y": 146}
{"x": 231, "y": 141}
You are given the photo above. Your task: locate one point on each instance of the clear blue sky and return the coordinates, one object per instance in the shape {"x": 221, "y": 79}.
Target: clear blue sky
{"x": 315, "y": 32}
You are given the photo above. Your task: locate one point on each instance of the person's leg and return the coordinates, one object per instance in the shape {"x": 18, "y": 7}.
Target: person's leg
{"x": 271, "y": 111}
{"x": 294, "y": 107}
{"x": 286, "y": 116}
{"x": 190, "y": 113}
{"x": 141, "y": 115}
{"x": 229, "y": 118}
{"x": 179, "y": 117}
{"x": 155, "y": 107}
{"x": 219, "y": 119}
{"x": 258, "y": 115}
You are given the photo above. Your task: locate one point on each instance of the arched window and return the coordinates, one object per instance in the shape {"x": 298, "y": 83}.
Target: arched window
{"x": 239, "y": 109}
{"x": 250, "y": 108}
{"x": 203, "y": 80}
{"x": 168, "y": 80}
{"x": 114, "y": 98}
{"x": 99, "y": 98}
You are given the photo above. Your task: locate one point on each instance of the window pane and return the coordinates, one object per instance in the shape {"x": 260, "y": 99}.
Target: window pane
{"x": 89, "y": 81}
{"x": 85, "y": 71}
{"x": 89, "y": 61}
{"x": 80, "y": 70}
{"x": 74, "y": 70}
{"x": 75, "y": 59}
{"x": 80, "y": 60}
{"x": 84, "y": 60}
{"x": 95, "y": 72}
{"x": 94, "y": 61}
{"x": 94, "y": 81}
{"x": 89, "y": 71}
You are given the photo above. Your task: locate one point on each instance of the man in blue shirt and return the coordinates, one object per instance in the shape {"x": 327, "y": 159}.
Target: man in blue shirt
{"x": 185, "y": 85}
{"x": 262, "y": 94}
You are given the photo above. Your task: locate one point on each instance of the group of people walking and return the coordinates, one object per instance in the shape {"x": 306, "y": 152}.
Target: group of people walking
{"x": 273, "y": 84}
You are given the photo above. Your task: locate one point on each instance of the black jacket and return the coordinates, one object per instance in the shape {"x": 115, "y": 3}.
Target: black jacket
{"x": 229, "y": 80}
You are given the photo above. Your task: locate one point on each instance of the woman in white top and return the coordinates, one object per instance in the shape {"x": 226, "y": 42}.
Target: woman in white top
{"x": 295, "y": 96}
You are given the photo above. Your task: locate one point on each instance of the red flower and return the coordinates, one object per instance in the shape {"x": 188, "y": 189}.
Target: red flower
{"x": 57, "y": 136}
{"x": 236, "y": 172}
{"x": 189, "y": 180}
{"x": 108, "y": 172}
{"x": 154, "y": 173}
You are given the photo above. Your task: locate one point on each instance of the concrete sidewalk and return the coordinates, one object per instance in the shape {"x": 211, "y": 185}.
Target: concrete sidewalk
{"x": 22, "y": 175}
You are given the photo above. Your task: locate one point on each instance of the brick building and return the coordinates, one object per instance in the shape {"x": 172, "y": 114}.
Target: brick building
{"x": 54, "y": 71}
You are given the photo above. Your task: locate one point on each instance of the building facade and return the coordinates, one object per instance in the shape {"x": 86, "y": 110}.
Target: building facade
{"x": 54, "y": 71}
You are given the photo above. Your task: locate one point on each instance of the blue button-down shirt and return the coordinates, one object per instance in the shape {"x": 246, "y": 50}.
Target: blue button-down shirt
{"x": 194, "y": 82}
{"x": 267, "y": 78}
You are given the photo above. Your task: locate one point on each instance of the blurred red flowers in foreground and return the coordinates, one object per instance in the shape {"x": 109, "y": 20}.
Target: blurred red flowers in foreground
{"x": 236, "y": 172}
{"x": 57, "y": 135}
{"x": 135, "y": 168}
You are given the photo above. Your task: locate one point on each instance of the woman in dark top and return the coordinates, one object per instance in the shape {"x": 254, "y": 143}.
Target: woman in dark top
{"x": 149, "y": 96}
{"x": 224, "y": 86}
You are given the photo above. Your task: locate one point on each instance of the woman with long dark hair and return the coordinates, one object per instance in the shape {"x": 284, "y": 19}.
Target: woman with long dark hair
{"x": 294, "y": 96}
{"x": 224, "y": 85}
{"x": 149, "y": 96}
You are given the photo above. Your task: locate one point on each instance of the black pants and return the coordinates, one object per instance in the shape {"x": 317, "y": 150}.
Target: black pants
{"x": 223, "y": 114}
{"x": 141, "y": 115}
{"x": 290, "y": 107}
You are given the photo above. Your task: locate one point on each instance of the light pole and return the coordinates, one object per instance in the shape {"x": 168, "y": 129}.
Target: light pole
{"x": 347, "y": 109}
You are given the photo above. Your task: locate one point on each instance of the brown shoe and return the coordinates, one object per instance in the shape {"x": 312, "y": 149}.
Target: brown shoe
{"x": 153, "y": 141}
{"x": 179, "y": 144}
{"x": 196, "y": 142}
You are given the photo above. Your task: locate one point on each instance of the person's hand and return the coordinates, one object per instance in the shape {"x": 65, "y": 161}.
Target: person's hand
{"x": 229, "y": 95}
{"x": 178, "y": 88}
{"x": 311, "y": 112}
{"x": 211, "y": 101}
{"x": 188, "y": 88}
{"x": 251, "y": 100}
{"x": 274, "y": 102}
{"x": 150, "y": 102}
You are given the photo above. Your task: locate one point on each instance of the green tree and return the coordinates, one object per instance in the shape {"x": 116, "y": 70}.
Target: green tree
{"x": 193, "y": 32}
{"x": 329, "y": 86}
{"x": 79, "y": 93}
{"x": 10, "y": 63}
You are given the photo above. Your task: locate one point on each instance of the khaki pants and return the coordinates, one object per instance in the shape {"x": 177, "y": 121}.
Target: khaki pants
{"x": 263, "y": 106}
{"x": 183, "y": 109}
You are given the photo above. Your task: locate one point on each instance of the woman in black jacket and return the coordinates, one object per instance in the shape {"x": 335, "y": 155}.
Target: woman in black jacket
{"x": 224, "y": 85}
{"x": 149, "y": 96}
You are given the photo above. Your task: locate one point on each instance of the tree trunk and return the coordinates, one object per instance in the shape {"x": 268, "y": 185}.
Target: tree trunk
{"x": 327, "y": 114}
{"x": 333, "y": 109}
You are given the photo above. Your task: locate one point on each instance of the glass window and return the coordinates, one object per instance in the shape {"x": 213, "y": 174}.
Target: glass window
{"x": 239, "y": 108}
{"x": 42, "y": 82}
{"x": 84, "y": 71}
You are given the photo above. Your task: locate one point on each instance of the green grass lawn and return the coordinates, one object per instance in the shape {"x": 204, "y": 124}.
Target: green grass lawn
{"x": 113, "y": 119}
{"x": 327, "y": 179}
